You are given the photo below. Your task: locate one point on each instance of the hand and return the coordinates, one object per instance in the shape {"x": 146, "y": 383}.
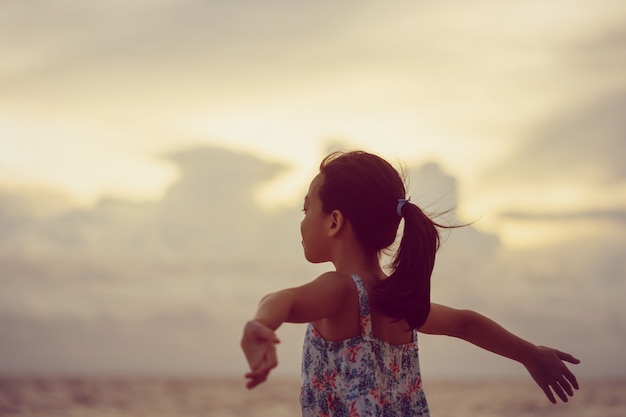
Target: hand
{"x": 259, "y": 346}
{"x": 551, "y": 374}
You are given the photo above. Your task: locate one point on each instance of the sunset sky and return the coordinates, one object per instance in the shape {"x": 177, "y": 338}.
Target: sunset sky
{"x": 154, "y": 155}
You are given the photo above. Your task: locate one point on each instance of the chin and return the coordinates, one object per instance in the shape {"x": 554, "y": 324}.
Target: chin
{"x": 311, "y": 260}
{"x": 315, "y": 260}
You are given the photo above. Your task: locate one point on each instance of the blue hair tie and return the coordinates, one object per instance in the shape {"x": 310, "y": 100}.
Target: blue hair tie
{"x": 401, "y": 202}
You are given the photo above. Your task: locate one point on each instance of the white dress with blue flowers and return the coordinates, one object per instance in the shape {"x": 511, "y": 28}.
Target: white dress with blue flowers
{"x": 361, "y": 376}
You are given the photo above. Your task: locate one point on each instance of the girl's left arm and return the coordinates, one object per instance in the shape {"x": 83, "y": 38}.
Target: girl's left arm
{"x": 545, "y": 365}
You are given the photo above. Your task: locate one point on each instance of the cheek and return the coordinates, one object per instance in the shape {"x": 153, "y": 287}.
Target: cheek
{"x": 302, "y": 228}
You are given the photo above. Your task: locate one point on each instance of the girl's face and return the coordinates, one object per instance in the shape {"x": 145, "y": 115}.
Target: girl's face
{"x": 313, "y": 226}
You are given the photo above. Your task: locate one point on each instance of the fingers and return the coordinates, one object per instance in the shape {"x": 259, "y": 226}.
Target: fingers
{"x": 255, "y": 379}
{"x": 571, "y": 378}
{"x": 567, "y": 357}
{"x": 566, "y": 386}
{"x": 259, "y": 346}
{"x": 556, "y": 387}
{"x": 259, "y": 375}
{"x": 552, "y": 389}
{"x": 554, "y": 377}
{"x": 548, "y": 392}
{"x": 262, "y": 358}
{"x": 568, "y": 380}
{"x": 561, "y": 387}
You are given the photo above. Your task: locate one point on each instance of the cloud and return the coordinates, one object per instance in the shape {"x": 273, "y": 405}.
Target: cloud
{"x": 205, "y": 245}
{"x": 147, "y": 38}
{"x": 108, "y": 345}
{"x": 585, "y": 146}
{"x": 602, "y": 54}
{"x": 211, "y": 207}
{"x": 194, "y": 263}
{"x": 614, "y": 216}
{"x": 110, "y": 49}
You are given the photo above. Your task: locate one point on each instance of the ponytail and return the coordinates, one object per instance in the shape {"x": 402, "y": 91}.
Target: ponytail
{"x": 405, "y": 294}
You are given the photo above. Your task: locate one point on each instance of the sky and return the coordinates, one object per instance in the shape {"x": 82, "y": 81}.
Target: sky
{"x": 154, "y": 156}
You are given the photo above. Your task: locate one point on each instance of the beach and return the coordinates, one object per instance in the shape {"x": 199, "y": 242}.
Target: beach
{"x": 228, "y": 397}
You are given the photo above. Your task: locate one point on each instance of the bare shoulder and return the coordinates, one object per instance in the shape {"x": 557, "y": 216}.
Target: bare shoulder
{"x": 328, "y": 284}
{"x": 332, "y": 282}
{"x": 321, "y": 298}
{"x": 337, "y": 305}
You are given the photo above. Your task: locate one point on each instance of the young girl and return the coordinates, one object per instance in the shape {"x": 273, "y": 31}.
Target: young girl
{"x": 360, "y": 355}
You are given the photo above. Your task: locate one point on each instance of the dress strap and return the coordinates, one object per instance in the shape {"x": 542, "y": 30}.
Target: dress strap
{"x": 364, "y": 307}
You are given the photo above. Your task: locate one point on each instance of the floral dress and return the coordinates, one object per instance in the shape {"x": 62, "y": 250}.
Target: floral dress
{"x": 361, "y": 376}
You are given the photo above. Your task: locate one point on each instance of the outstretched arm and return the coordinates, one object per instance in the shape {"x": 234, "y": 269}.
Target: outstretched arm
{"x": 316, "y": 300}
{"x": 545, "y": 365}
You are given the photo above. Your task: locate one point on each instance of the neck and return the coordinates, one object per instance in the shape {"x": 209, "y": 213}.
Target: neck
{"x": 352, "y": 259}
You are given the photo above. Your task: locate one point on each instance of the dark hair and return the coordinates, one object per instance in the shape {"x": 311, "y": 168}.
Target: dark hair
{"x": 366, "y": 189}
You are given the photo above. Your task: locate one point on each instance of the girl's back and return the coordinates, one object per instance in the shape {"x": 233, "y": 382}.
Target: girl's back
{"x": 362, "y": 374}
{"x": 346, "y": 323}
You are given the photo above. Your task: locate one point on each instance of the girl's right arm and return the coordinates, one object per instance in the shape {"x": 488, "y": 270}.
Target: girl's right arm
{"x": 545, "y": 365}
{"x": 319, "y": 299}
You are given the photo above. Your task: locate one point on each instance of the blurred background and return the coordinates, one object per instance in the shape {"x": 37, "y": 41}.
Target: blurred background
{"x": 154, "y": 156}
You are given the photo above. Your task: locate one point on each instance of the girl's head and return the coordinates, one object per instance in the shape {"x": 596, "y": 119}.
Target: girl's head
{"x": 366, "y": 189}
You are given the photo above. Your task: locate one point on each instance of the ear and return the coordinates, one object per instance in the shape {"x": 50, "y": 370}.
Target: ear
{"x": 336, "y": 223}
